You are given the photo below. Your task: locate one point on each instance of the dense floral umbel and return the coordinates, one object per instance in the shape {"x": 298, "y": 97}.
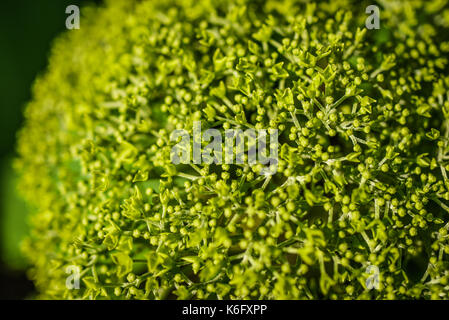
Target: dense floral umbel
{"x": 363, "y": 120}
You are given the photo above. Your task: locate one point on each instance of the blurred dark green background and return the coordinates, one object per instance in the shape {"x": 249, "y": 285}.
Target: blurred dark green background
{"x": 27, "y": 28}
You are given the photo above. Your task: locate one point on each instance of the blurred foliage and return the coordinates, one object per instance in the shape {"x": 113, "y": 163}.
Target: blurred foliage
{"x": 14, "y": 227}
{"x": 26, "y": 32}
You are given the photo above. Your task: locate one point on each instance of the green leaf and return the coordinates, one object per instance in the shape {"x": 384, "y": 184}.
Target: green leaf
{"x": 278, "y": 71}
{"x": 91, "y": 283}
{"x": 353, "y": 157}
{"x": 422, "y": 160}
{"x": 328, "y": 74}
{"x": 191, "y": 259}
{"x": 153, "y": 261}
{"x": 423, "y": 110}
{"x": 433, "y": 134}
{"x": 110, "y": 241}
{"x": 263, "y": 34}
{"x": 206, "y": 77}
{"x": 310, "y": 197}
{"x": 219, "y": 91}
{"x": 141, "y": 175}
{"x": 124, "y": 263}
{"x": 253, "y": 47}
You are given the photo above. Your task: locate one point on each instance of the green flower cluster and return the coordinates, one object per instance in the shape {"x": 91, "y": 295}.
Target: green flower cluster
{"x": 363, "y": 120}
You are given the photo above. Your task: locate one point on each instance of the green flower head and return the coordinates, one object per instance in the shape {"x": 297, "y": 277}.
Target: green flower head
{"x": 358, "y": 207}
